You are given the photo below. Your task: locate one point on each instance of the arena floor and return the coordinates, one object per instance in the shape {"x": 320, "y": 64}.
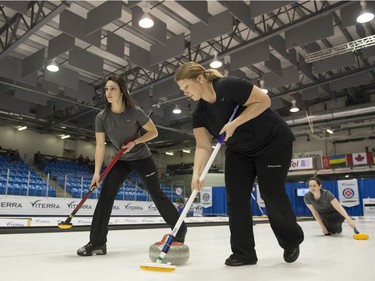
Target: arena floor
{"x": 52, "y": 256}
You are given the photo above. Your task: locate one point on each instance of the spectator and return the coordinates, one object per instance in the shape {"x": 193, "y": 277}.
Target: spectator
{"x": 80, "y": 159}
{"x": 16, "y": 156}
{"x": 37, "y": 157}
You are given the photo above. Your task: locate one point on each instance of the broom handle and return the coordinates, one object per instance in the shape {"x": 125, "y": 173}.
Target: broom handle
{"x": 202, "y": 176}
{"x": 171, "y": 236}
{"x": 104, "y": 173}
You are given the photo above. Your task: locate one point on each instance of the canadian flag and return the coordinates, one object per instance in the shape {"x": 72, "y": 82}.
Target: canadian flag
{"x": 359, "y": 158}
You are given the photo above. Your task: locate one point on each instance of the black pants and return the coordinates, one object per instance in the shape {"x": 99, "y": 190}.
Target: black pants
{"x": 146, "y": 169}
{"x": 333, "y": 222}
{"x": 271, "y": 171}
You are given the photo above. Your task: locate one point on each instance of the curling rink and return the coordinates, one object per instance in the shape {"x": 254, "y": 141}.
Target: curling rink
{"x": 52, "y": 256}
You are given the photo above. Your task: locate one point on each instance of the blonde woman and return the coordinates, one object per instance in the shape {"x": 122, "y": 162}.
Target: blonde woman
{"x": 258, "y": 144}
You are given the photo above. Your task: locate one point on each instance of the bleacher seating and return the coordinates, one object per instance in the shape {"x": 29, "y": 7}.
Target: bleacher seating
{"x": 71, "y": 176}
{"x": 20, "y": 179}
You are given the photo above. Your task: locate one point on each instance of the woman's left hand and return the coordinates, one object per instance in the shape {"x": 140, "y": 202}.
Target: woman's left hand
{"x": 228, "y": 129}
{"x": 129, "y": 146}
{"x": 351, "y": 223}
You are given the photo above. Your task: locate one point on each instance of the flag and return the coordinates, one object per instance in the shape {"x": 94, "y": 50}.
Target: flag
{"x": 371, "y": 157}
{"x": 325, "y": 162}
{"x": 337, "y": 161}
{"x": 360, "y": 158}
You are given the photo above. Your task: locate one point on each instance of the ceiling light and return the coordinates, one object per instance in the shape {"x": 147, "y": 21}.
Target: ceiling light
{"x": 261, "y": 83}
{"x": 365, "y": 15}
{"x": 329, "y": 131}
{"x": 177, "y": 110}
{"x": 65, "y": 137}
{"x": 215, "y": 62}
{"x": 146, "y": 21}
{"x": 52, "y": 66}
{"x": 186, "y": 150}
{"x": 294, "y": 107}
{"x": 22, "y": 128}
{"x": 169, "y": 153}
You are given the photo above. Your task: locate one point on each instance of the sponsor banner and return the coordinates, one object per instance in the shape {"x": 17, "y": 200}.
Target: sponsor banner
{"x": 308, "y": 154}
{"x": 369, "y": 207}
{"x": 206, "y": 196}
{"x": 348, "y": 192}
{"x": 83, "y": 221}
{"x": 301, "y": 164}
{"x": 15, "y": 222}
{"x": 52, "y": 206}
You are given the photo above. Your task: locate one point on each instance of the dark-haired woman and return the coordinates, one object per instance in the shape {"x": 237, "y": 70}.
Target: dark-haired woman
{"x": 120, "y": 120}
{"x": 325, "y": 208}
{"x": 258, "y": 145}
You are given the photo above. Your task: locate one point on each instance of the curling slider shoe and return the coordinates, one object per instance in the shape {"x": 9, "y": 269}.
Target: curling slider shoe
{"x": 164, "y": 267}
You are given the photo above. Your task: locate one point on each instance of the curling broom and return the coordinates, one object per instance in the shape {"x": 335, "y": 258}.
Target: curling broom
{"x": 159, "y": 265}
{"x": 260, "y": 209}
{"x": 359, "y": 236}
{"x": 67, "y": 223}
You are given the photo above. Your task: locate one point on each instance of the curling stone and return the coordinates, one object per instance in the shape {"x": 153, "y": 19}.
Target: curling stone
{"x": 177, "y": 254}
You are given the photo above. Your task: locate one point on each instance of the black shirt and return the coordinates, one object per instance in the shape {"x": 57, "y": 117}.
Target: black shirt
{"x": 263, "y": 135}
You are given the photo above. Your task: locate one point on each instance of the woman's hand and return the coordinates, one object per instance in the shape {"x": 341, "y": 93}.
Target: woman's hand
{"x": 228, "y": 129}
{"x": 196, "y": 184}
{"x": 351, "y": 223}
{"x": 95, "y": 182}
{"x": 127, "y": 147}
{"x": 325, "y": 231}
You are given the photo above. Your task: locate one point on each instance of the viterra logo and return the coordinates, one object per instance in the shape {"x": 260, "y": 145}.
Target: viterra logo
{"x": 38, "y": 205}
{"x": 131, "y": 207}
{"x": 73, "y": 205}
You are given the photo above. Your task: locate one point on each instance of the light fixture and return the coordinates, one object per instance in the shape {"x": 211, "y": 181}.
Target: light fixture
{"x": 169, "y": 153}
{"x": 186, "y": 150}
{"x": 52, "y": 66}
{"x": 261, "y": 83}
{"x": 294, "y": 107}
{"x": 215, "y": 62}
{"x": 177, "y": 110}
{"x": 22, "y": 128}
{"x": 365, "y": 15}
{"x": 146, "y": 21}
{"x": 65, "y": 137}
{"x": 329, "y": 131}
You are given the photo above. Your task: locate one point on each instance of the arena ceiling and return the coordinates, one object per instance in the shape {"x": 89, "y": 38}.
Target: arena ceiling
{"x": 313, "y": 52}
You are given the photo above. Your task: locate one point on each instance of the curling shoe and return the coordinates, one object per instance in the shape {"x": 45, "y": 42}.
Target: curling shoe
{"x": 234, "y": 261}
{"x": 89, "y": 250}
{"x": 291, "y": 254}
{"x": 180, "y": 236}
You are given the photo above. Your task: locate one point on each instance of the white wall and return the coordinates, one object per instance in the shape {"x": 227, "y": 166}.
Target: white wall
{"x": 29, "y": 142}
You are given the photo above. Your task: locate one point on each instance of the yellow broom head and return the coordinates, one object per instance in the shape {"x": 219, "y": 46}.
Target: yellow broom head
{"x": 158, "y": 267}
{"x": 64, "y": 225}
{"x": 360, "y": 236}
